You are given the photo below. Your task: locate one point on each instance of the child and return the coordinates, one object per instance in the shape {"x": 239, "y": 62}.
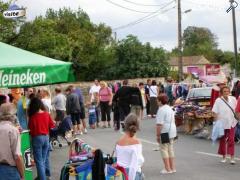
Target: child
{"x": 92, "y": 115}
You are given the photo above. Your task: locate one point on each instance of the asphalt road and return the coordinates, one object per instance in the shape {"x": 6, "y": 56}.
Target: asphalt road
{"x": 196, "y": 159}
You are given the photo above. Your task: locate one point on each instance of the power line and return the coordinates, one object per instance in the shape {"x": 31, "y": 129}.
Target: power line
{"x": 211, "y": 6}
{"x": 145, "y": 18}
{"x": 139, "y": 4}
{"x": 134, "y": 10}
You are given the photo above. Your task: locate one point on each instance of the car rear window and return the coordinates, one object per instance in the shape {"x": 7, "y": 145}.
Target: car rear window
{"x": 194, "y": 93}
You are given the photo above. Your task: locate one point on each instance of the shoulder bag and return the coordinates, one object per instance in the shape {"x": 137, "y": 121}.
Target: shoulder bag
{"x": 165, "y": 136}
{"x": 235, "y": 115}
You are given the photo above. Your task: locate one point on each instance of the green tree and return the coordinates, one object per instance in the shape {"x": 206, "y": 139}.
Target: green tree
{"x": 69, "y": 36}
{"x": 137, "y": 60}
{"x": 199, "y": 41}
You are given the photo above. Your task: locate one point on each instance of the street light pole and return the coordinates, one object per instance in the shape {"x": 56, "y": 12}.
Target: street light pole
{"x": 180, "y": 61}
{"x": 232, "y": 7}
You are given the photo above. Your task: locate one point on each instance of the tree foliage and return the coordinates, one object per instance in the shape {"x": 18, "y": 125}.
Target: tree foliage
{"x": 199, "y": 41}
{"x": 135, "y": 59}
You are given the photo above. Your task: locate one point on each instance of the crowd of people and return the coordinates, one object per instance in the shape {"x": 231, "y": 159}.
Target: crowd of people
{"x": 33, "y": 110}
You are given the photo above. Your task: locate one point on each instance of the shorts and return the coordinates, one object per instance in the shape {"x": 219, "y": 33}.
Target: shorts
{"x": 167, "y": 150}
{"x": 75, "y": 117}
{"x": 92, "y": 119}
{"x": 59, "y": 115}
{"x": 82, "y": 113}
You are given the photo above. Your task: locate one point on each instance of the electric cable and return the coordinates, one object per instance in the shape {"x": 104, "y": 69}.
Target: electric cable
{"x": 145, "y": 18}
{"x": 139, "y": 4}
{"x": 134, "y": 10}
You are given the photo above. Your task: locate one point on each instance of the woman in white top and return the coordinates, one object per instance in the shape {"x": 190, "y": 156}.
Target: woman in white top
{"x": 129, "y": 149}
{"x": 165, "y": 123}
{"x": 153, "y": 93}
{"x": 225, "y": 114}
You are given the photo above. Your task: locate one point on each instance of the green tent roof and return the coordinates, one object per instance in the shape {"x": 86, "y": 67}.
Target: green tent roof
{"x": 20, "y": 68}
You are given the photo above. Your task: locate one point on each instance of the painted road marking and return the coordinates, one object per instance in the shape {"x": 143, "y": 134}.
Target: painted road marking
{"x": 213, "y": 155}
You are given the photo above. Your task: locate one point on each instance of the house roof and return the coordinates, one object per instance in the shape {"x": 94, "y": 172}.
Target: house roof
{"x": 189, "y": 61}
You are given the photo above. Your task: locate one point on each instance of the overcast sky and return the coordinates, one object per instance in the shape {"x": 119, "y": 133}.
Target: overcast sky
{"x": 159, "y": 27}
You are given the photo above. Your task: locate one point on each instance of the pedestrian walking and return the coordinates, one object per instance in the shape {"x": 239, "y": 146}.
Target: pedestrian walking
{"x": 153, "y": 93}
{"x": 22, "y": 106}
{"x": 93, "y": 93}
{"x": 129, "y": 149}
{"x": 149, "y": 82}
{"x": 166, "y": 133}
{"x": 105, "y": 102}
{"x": 224, "y": 108}
{"x": 73, "y": 109}
{"x": 144, "y": 99}
{"x": 11, "y": 163}
{"x": 59, "y": 104}
{"x": 136, "y": 101}
{"x": 40, "y": 122}
{"x": 122, "y": 97}
{"x": 78, "y": 91}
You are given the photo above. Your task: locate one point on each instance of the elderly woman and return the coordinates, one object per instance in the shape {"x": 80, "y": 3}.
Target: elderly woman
{"x": 105, "y": 102}
{"x": 11, "y": 164}
{"x": 224, "y": 108}
{"x": 129, "y": 149}
{"x": 165, "y": 123}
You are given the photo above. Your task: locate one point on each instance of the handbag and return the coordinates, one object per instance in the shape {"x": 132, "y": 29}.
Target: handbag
{"x": 235, "y": 115}
{"x": 165, "y": 138}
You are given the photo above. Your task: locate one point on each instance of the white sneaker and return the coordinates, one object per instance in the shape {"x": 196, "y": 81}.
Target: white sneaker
{"x": 223, "y": 160}
{"x": 232, "y": 161}
{"x": 85, "y": 131}
{"x": 174, "y": 171}
{"x": 164, "y": 171}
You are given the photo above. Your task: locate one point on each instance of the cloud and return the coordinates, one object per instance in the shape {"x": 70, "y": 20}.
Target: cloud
{"x": 159, "y": 30}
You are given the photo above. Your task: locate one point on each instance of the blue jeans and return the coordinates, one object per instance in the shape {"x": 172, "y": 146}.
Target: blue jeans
{"x": 40, "y": 145}
{"x": 47, "y": 163}
{"x": 9, "y": 172}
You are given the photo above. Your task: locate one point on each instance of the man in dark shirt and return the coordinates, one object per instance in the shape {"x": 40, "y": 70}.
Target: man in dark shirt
{"x": 73, "y": 109}
{"x": 149, "y": 82}
{"x": 122, "y": 98}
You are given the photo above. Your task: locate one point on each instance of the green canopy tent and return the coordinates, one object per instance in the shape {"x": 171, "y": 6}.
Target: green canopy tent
{"x": 20, "y": 68}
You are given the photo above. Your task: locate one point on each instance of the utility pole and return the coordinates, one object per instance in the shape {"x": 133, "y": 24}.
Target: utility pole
{"x": 180, "y": 60}
{"x": 233, "y": 5}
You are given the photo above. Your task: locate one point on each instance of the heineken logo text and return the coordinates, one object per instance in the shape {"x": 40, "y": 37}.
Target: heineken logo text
{"x": 24, "y": 78}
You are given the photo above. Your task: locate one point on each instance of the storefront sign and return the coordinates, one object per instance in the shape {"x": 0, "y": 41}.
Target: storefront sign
{"x": 212, "y": 69}
{"x": 14, "y": 12}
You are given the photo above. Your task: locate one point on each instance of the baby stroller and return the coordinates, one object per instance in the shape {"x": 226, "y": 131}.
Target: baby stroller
{"x": 64, "y": 126}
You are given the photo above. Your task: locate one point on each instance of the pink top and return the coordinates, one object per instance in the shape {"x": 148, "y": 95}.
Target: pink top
{"x": 105, "y": 94}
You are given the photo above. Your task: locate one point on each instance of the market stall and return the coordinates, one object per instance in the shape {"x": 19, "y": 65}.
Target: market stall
{"x": 193, "y": 117}
{"x": 20, "y": 68}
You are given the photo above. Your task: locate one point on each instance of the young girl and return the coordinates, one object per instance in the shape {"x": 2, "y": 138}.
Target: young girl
{"x": 92, "y": 115}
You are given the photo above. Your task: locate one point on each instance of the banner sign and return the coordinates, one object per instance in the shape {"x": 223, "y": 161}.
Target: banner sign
{"x": 14, "y": 12}
{"x": 212, "y": 69}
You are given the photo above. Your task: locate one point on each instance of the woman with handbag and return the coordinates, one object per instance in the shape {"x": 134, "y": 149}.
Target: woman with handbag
{"x": 224, "y": 110}
{"x": 166, "y": 133}
{"x": 129, "y": 149}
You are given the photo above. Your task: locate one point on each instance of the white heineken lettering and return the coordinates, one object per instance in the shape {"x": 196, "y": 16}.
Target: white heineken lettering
{"x": 1, "y": 72}
{"x": 15, "y": 79}
{"x": 35, "y": 78}
{"x": 24, "y": 78}
{"x": 4, "y": 79}
{"x": 29, "y": 77}
{"x": 42, "y": 77}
